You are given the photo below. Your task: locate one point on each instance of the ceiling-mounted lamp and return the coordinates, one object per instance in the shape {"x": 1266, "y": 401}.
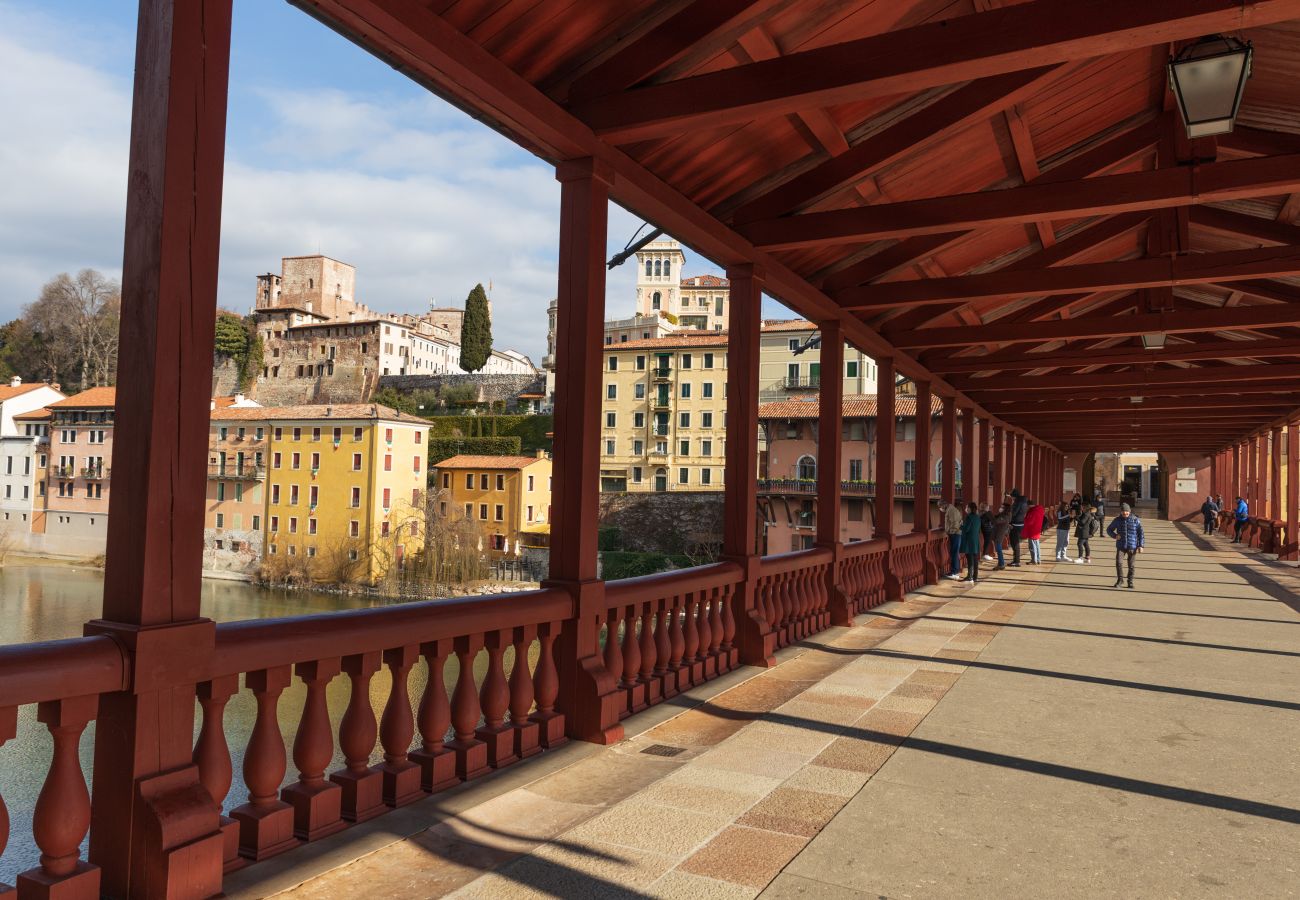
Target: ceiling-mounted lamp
{"x": 1154, "y": 341}
{"x": 1208, "y": 79}
{"x": 1134, "y": 399}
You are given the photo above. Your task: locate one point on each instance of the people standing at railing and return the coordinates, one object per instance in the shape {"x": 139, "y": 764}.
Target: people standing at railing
{"x": 1019, "y": 506}
{"x": 986, "y": 532}
{"x": 1240, "y": 515}
{"x": 1064, "y": 519}
{"x": 1085, "y": 528}
{"x": 1210, "y": 513}
{"x": 1033, "y": 531}
{"x": 970, "y": 542}
{"x": 1001, "y": 528}
{"x": 1126, "y": 529}
{"x": 952, "y": 521}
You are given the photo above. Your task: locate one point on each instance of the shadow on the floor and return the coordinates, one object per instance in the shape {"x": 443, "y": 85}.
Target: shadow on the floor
{"x": 1037, "y": 767}
{"x": 1101, "y": 634}
{"x": 1264, "y": 584}
{"x": 1072, "y": 676}
{"x": 1161, "y": 612}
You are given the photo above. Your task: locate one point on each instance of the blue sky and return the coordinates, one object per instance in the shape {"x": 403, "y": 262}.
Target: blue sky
{"x": 328, "y": 150}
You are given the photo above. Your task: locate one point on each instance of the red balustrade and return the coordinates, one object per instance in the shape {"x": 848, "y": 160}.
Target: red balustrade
{"x": 908, "y": 562}
{"x": 862, "y": 574}
{"x": 792, "y": 593}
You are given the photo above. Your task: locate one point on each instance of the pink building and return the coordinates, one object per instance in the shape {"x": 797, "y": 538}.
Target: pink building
{"x": 788, "y": 468}
{"x": 77, "y": 474}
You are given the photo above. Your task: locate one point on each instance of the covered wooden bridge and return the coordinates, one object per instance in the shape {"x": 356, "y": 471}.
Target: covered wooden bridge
{"x": 998, "y": 201}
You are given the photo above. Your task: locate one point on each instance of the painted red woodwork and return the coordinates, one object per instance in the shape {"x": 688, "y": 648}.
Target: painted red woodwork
{"x": 969, "y": 477}
{"x": 316, "y": 801}
{"x": 437, "y": 762}
{"x": 1289, "y": 550}
{"x": 982, "y": 464}
{"x": 1019, "y": 360}
{"x": 830, "y": 452}
{"x": 1275, "y": 474}
{"x": 948, "y": 464}
{"x": 885, "y": 449}
{"x": 921, "y": 519}
{"x": 401, "y": 776}
{"x": 526, "y": 732}
{"x": 362, "y": 787}
{"x": 265, "y": 822}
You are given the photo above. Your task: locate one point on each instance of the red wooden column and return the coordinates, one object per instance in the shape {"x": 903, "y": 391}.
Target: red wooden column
{"x": 589, "y": 696}
{"x": 830, "y": 451}
{"x": 885, "y": 471}
{"x": 756, "y": 644}
{"x": 948, "y": 465}
{"x": 921, "y": 484}
{"x": 1292, "y": 493}
{"x": 969, "y": 481}
{"x": 1258, "y": 466}
{"x": 982, "y": 464}
{"x": 1235, "y": 490}
{"x": 154, "y": 829}
{"x": 1018, "y": 463}
{"x": 999, "y": 464}
{"x": 1275, "y": 475}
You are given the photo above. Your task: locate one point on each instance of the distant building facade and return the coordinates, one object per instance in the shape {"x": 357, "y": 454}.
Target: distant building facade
{"x": 79, "y": 465}
{"x": 24, "y": 431}
{"x": 507, "y": 497}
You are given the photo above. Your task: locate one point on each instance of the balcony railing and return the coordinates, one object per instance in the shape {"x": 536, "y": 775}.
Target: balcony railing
{"x": 661, "y": 403}
{"x": 903, "y": 489}
{"x": 802, "y": 382}
{"x": 96, "y": 473}
{"x": 655, "y": 637}
{"x": 661, "y": 373}
{"x": 246, "y": 472}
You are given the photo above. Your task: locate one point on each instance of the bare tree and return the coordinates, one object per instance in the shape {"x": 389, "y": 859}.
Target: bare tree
{"x": 76, "y": 322}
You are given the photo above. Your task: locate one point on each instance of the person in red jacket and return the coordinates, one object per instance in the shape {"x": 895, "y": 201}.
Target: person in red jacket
{"x": 1034, "y": 532}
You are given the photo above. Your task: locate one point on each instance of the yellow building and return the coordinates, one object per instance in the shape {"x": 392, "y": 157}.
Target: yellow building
{"x": 506, "y": 496}
{"x": 344, "y": 488}
{"x": 790, "y": 363}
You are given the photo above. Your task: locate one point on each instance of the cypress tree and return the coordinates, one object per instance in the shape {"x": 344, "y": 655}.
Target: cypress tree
{"x": 476, "y": 332}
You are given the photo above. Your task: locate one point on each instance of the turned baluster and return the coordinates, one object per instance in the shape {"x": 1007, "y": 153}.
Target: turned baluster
{"x": 8, "y": 731}
{"x": 401, "y": 777}
{"x": 663, "y": 649}
{"x": 362, "y": 787}
{"x": 632, "y": 660}
{"x": 706, "y": 635}
{"x": 521, "y": 694}
{"x": 546, "y": 687}
{"x": 437, "y": 763}
{"x": 729, "y": 626}
{"x": 265, "y": 821}
{"x": 767, "y": 600}
{"x": 715, "y": 621}
{"x": 317, "y": 809}
{"x": 649, "y": 686}
{"x": 680, "y": 677}
{"x": 494, "y": 699}
{"x": 62, "y": 813}
{"x": 212, "y": 755}
{"x": 614, "y": 645}
{"x": 471, "y": 753}
{"x": 690, "y": 631}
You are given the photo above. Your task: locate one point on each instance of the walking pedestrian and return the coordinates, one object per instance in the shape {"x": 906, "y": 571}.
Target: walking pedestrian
{"x": 1001, "y": 528}
{"x": 1126, "y": 529}
{"x": 1085, "y": 527}
{"x": 1019, "y": 506}
{"x": 986, "y": 531}
{"x": 1210, "y": 512}
{"x": 1076, "y": 505}
{"x": 952, "y": 520}
{"x": 1064, "y": 519}
{"x": 1240, "y": 514}
{"x": 970, "y": 542}
{"x": 1034, "y": 531}
{"x": 1100, "y": 505}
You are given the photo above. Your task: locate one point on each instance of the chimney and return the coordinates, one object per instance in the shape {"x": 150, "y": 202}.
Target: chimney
{"x": 239, "y": 400}
{"x": 541, "y": 454}
{"x": 212, "y": 404}
{"x": 15, "y": 381}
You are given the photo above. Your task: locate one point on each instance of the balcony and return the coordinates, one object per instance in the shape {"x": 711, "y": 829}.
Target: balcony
{"x": 802, "y": 382}
{"x": 661, "y": 403}
{"x": 96, "y": 473}
{"x": 902, "y": 489}
{"x": 661, "y": 373}
{"x": 246, "y": 472}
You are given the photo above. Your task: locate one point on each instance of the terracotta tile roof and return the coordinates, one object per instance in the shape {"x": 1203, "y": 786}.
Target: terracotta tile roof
{"x": 855, "y": 406}
{"x": 469, "y": 461}
{"x": 8, "y": 392}
{"x": 339, "y": 411}
{"x": 705, "y": 281}
{"x": 790, "y": 325}
{"x": 685, "y": 339}
{"x": 34, "y": 415}
{"x": 95, "y": 397}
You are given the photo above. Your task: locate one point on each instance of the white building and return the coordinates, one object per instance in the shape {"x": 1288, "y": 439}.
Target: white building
{"x": 19, "y": 464}
{"x": 700, "y": 302}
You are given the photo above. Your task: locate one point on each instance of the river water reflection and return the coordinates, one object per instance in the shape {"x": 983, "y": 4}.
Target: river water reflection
{"x": 41, "y": 603}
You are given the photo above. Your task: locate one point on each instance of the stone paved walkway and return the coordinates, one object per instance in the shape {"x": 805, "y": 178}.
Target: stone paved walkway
{"x": 1041, "y": 734}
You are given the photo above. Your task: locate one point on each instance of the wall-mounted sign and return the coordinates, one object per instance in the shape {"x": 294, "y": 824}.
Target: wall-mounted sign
{"x": 1187, "y": 472}
{"x": 1070, "y": 479}
{"x": 1185, "y": 486}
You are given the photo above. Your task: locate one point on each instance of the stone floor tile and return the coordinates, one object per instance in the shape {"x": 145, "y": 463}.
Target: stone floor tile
{"x": 788, "y": 737}
{"x": 772, "y": 763}
{"x": 858, "y": 755}
{"x": 679, "y": 885}
{"x": 697, "y": 728}
{"x": 932, "y": 679}
{"x": 648, "y": 826}
{"x": 899, "y": 702}
{"x": 793, "y": 811}
{"x": 748, "y": 856}
{"x": 825, "y": 780}
{"x": 593, "y": 869}
{"x": 812, "y": 709}
{"x": 605, "y": 779}
{"x": 516, "y": 821}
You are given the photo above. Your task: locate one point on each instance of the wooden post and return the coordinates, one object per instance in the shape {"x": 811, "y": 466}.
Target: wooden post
{"x": 1292, "y": 493}
{"x": 982, "y": 464}
{"x": 969, "y": 492}
{"x": 1275, "y": 475}
{"x": 999, "y": 463}
{"x": 829, "y": 453}
{"x": 754, "y": 640}
{"x": 589, "y": 695}
{"x": 885, "y": 472}
{"x": 1235, "y": 490}
{"x": 921, "y": 483}
{"x": 1018, "y": 462}
{"x": 154, "y": 829}
{"x": 948, "y": 464}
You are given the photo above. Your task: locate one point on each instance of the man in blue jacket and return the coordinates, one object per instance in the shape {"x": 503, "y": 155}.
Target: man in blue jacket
{"x": 1239, "y": 516}
{"x": 1126, "y": 529}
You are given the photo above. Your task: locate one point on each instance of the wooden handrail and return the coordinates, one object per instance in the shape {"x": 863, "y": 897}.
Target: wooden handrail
{"x": 57, "y": 670}
{"x": 794, "y": 560}
{"x": 665, "y": 584}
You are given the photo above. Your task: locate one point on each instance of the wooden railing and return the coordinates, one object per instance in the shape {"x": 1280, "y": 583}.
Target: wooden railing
{"x": 466, "y": 686}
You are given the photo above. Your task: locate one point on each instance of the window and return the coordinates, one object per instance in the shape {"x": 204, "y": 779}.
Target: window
{"x": 293, "y": 524}
{"x": 293, "y": 495}
{"x": 638, "y": 447}
{"x": 855, "y": 470}
{"x": 905, "y": 430}
{"x": 855, "y": 510}
{"x": 469, "y": 510}
{"x": 708, "y": 390}
{"x": 388, "y": 435}
{"x": 483, "y": 482}
{"x": 851, "y": 368}
{"x": 388, "y": 498}
{"x": 807, "y": 468}
{"x": 275, "y": 460}
{"x": 530, "y": 482}
{"x": 446, "y": 480}
{"x": 611, "y": 420}
{"x": 613, "y": 363}
{"x": 684, "y": 420}
{"x": 295, "y": 461}
{"x": 684, "y": 448}
{"x": 640, "y": 363}
{"x": 706, "y": 448}
{"x": 275, "y": 524}
{"x": 315, "y": 434}
{"x": 500, "y": 512}
{"x": 686, "y": 390}
{"x": 297, "y": 434}
{"x": 259, "y": 433}
{"x": 356, "y": 462}
{"x": 636, "y": 474}
{"x": 354, "y": 530}
{"x": 482, "y": 511}
{"x": 221, "y": 490}
{"x": 383, "y": 529}
{"x": 609, "y": 448}
{"x": 338, "y": 434}
{"x": 683, "y": 475}
{"x": 611, "y": 392}
{"x": 706, "y": 476}
{"x": 311, "y": 526}
{"x": 388, "y": 462}
{"x": 415, "y": 464}
{"x": 257, "y": 523}
{"x": 469, "y": 481}
{"x": 357, "y": 433}
{"x": 708, "y": 360}
{"x": 909, "y": 470}
{"x": 686, "y": 360}
{"x": 315, "y": 462}
{"x": 706, "y": 420}
{"x": 415, "y": 497}
{"x": 275, "y": 493}
{"x": 794, "y": 343}
{"x": 313, "y": 495}
{"x": 638, "y": 420}
{"x": 356, "y": 498}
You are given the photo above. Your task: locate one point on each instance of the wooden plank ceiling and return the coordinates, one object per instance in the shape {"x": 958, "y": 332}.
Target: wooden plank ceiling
{"x": 998, "y": 193}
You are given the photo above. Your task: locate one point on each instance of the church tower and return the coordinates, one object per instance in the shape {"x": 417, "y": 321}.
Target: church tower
{"x": 658, "y": 278}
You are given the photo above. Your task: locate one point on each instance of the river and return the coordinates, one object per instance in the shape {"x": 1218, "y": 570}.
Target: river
{"x": 48, "y": 602}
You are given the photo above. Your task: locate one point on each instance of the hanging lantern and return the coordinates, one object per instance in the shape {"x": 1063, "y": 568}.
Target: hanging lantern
{"x": 1208, "y": 79}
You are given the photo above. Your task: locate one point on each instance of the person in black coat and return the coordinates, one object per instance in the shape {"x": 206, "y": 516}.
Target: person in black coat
{"x": 1210, "y": 512}
{"x": 1019, "y": 506}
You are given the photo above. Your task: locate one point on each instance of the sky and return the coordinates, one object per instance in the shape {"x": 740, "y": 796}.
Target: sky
{"x": 328, "y": 150}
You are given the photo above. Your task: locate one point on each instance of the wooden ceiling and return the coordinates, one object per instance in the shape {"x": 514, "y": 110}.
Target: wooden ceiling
{"x": 998, "y": 194}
